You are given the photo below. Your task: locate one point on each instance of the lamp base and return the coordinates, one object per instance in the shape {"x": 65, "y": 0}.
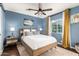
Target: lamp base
{"x": 12, "y": 35}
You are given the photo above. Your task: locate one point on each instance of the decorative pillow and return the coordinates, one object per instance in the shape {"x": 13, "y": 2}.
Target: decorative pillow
{"x": 36, "y": 33}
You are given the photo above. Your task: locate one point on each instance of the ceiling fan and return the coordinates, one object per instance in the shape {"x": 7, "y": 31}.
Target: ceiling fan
{"x": 40, "y": 10}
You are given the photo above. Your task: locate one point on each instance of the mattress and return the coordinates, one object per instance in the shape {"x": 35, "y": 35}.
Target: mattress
{"x": 38, "y": 41}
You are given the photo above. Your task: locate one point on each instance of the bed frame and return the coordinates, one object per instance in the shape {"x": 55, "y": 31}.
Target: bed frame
{"x": 37, "y": 51}
{"x": 40, "y": 50}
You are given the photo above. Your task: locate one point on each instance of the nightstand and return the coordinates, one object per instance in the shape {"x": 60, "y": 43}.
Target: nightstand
{"x": 11, "y": 41}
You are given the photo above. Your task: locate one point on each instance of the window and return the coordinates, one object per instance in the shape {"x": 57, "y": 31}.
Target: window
{"x": 54, "y": 27}
{"x": 57, "y": 26}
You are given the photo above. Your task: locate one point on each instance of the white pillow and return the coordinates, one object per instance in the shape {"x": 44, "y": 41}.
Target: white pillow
{"x": 33, "y": 30}
{"x": 26, "y": 30}
{"x": 28, "y": 33}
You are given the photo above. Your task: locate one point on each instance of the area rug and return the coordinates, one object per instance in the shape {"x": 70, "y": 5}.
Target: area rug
{"x": 59, "y": 51}
{"x": 10, "y": 51}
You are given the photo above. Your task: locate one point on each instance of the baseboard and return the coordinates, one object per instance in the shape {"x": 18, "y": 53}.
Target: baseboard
{"x": 1, "y": 52}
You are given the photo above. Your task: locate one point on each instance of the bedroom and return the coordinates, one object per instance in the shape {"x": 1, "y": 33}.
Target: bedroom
{"x": 51, "y": 25}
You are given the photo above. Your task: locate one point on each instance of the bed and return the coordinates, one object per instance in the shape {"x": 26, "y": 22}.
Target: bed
{"x": 38, "y": 44}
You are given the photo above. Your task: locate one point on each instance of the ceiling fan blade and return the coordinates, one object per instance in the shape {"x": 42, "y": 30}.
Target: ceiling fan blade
{"x": 43, "y": 13}
{"x": 47, "y": 9}
{"x": 32, "y": 9}
{"x": 37, "y": 12}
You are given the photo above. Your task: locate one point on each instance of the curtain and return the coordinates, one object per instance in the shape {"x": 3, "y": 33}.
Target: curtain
{"x": 66, "y": 41}
{"x": 48, "y": 26}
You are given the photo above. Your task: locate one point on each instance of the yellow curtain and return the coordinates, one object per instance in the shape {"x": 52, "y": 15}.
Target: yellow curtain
{"x": 66, "y": 41}
{"x": 47, "y": 25}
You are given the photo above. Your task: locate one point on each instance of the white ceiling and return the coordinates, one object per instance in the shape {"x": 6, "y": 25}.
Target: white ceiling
{"x": 21, "y": 7}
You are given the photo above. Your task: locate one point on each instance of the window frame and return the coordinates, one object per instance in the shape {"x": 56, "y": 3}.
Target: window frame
{"x": 57, "y": 25}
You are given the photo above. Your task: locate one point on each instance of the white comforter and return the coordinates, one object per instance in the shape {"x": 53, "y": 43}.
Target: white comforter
{"x": 38, "y": 41}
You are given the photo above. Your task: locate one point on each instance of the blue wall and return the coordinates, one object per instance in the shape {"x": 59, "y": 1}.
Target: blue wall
{"x": 58, "y": 36}
{"x": 56, "y": 16}
{"x": 74, "y": 28}
{"x": 2, "y": 18}
{"x": 16, "y": 20}
{"x": 74, "y": 31}
{"x": 43, "y": 25}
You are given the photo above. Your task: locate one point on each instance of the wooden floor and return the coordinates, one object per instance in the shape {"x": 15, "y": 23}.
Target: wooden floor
{"x": 10, "y": 51}
{"x": 58, "y": 51}
{"x": 19, "y": 50}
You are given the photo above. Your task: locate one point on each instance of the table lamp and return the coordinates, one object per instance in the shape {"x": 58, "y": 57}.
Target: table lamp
{"x": 12, "y": 29}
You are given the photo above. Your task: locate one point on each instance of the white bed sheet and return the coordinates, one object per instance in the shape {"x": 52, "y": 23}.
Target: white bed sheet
{"x": 38, "y": 41}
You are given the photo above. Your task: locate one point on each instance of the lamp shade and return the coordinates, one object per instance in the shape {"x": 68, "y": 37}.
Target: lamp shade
{"x": 40, "y": 29}
{"x": 12, "y": 29}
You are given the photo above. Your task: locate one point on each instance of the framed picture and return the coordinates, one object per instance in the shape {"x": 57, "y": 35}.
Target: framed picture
{"x": 75, "y": 18}
{"x": 28, "y": 22}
